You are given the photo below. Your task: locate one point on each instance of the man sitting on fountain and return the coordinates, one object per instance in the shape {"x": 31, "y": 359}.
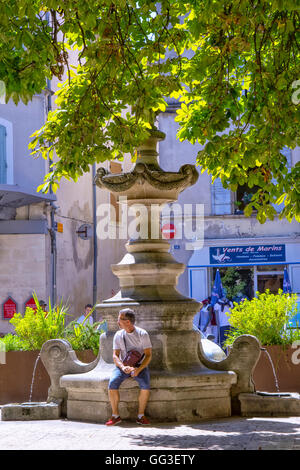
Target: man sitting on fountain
{"x": 130, "y": 338}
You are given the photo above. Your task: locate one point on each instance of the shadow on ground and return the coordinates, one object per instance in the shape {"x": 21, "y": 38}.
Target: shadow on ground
{"x": 247, "y": 434}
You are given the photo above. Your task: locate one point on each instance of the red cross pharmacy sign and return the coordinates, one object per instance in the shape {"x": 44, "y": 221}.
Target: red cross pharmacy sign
{"x": 30, "y": 303}
{"x": 9, "y": 308}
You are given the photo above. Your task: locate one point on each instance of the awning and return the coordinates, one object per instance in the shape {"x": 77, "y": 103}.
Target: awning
{"x": 12, "y": 195}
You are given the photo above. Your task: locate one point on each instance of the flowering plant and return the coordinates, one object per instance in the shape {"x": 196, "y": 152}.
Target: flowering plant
{"x": 267, "y": 317}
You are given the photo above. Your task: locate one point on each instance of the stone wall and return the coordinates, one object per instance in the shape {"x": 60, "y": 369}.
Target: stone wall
{"x": 23, "y": 270}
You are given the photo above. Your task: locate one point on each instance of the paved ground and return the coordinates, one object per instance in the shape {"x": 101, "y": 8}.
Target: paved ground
{"x": 224, "y": 434}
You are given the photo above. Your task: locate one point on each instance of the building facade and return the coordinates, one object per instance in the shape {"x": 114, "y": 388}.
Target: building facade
{"x": 51, "y": 245}
{"x": 220, "y": 236}
{"x": 48, "y": 242}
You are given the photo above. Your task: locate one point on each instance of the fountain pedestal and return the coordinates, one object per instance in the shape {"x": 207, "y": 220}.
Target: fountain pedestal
{"x": 182, "y": 388}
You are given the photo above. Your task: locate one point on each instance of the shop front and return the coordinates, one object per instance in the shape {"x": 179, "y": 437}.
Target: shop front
{"x": 245, "y": 268}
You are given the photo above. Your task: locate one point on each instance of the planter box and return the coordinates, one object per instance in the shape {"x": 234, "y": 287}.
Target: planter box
{"x": 287, "y": 372}
{"x": 16, "y": 376}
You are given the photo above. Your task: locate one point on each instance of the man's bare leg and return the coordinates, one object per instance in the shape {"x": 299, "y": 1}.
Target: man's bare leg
{"x": 143, "y": 400}
{"x": 114, "y": 398}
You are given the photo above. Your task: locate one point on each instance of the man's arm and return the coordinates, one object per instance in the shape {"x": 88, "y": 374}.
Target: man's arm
{"x": 119, "y": 363}
{"x": 145, "y": 362}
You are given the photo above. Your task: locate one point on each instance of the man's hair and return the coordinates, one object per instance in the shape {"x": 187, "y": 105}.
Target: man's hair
{"x": 128, "y": 314}
{"x": 88, "y": 306}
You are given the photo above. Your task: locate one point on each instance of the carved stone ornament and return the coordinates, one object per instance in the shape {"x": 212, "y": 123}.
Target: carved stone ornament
{"x": 185, "y": 177}
{"x": 148, "y": 170}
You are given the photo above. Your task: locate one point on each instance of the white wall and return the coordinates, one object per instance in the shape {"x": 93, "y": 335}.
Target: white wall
{"x": 23, "y": 270}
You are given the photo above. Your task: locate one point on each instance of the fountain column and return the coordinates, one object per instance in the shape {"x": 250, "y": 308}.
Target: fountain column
{"x": 182, "y": 388}
{"x": 148, "y": 273}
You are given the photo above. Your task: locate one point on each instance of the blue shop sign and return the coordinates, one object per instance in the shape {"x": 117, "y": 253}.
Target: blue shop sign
{"x": 246, "y": 254}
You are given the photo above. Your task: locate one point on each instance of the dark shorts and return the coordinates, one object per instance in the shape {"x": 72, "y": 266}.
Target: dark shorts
{"x": 118, "y": 376}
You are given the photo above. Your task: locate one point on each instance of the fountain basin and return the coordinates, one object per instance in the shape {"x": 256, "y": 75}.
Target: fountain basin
{"x": 269, "y": 404}
{"x": 16, "y": 378}
{"x": 31, "y": 411}
{"x": 17, "y": 373}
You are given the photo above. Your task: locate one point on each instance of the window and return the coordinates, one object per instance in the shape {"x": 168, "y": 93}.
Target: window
{"x": 237, "y": 281}
{"x": 6, "y": 152}
{"x": 221, "y": 199}
{"x": 243, "y": 196}
{"x": 271, "y": 282}
{"x": 295, "y": 278}
{"x": 272, "y": 267}
{"x": 225, "y": 202}
{"x": 269, "y": 277}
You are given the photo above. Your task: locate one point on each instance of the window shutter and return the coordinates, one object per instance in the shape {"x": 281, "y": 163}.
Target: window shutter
{"x": 3, "y": 163}
{"x": 221, "y": 198}
{"x": 198, "y": 283}
{"x": 295, "y": 279}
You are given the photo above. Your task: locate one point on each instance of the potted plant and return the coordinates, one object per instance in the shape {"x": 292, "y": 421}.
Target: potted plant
{"x": 22, "y": 350}
{"x": 268, "y": 317}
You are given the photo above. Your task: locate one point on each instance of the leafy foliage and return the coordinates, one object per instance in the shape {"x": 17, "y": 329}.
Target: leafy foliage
{"x": 84, "y": 336}
{"x": 12, "y": 342}
{"x": 38, "y": 326}
{"x": 266, "y": 317}
{"x": 232, "y": 64}
{"x": 232, "y": 283}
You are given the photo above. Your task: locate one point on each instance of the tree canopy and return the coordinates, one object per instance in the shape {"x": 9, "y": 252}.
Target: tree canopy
{"x": 233, "y": 66}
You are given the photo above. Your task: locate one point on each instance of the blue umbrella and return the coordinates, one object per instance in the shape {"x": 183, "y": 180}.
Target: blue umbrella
{"x": 217, "y": 291}
{"x": 287, "y": 288}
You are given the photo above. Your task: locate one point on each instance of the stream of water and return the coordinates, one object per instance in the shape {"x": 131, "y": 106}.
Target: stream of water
{"x": 274, "y": 372}
{"x": 33, "y": 377}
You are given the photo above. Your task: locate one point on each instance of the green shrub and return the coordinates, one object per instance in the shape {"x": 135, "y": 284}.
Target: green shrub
{"x": 84, "y": 336}
{"x": 37, "y": 326}
{"x": 265, "y": 317}
{"x": 232, "y": 282}
{"x": 14, "y": 343}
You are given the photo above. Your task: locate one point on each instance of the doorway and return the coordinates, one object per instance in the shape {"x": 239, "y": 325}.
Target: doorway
{"x": 268, "y": 277}
{"x": 237, "y": 281}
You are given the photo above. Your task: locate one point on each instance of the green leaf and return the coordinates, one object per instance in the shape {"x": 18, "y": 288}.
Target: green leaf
{"x": 237, "y": 86}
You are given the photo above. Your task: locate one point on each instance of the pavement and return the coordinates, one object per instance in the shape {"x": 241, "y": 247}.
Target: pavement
{"x": 233, "y": 433}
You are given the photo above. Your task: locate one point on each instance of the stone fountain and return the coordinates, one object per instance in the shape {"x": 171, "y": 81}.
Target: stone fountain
{"x": 186, "y": 384}
{"x": 182, "y": 388}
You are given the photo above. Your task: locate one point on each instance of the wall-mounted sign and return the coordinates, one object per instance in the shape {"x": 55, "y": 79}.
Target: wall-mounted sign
{"x": 246, "y": 254}
{"x": 30, "y": 303}
{"x": 168, "y": 231}
{"x": 85, "y": 231}
{"x": 58, "y": 226}
{"x": 9, "y": 308}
